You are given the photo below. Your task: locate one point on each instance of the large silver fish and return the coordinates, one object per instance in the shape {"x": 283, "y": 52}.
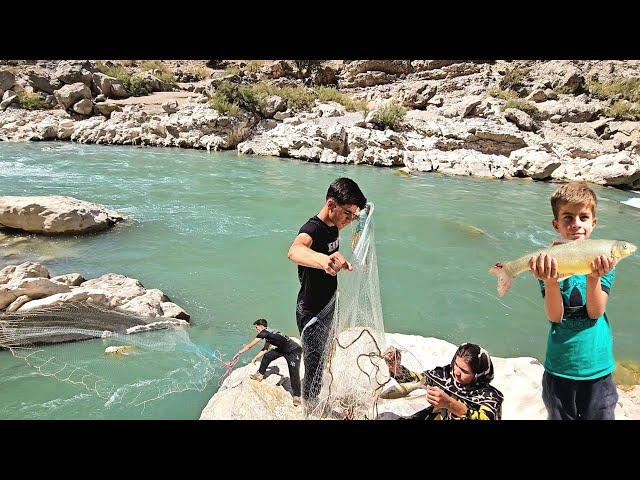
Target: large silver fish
{"x": 574, "y": 258}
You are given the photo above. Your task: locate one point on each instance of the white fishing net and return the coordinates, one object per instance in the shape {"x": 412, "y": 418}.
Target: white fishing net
{"x": 348, "y": 337}
{"x": 132, "y": 363}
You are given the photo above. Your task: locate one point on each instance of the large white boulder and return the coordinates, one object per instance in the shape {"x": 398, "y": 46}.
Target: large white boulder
{"x": 519, "y": 379}
{"x": 55, "y": 214}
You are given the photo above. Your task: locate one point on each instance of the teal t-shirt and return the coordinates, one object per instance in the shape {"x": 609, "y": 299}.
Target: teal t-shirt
{"x": 578, "y": 347}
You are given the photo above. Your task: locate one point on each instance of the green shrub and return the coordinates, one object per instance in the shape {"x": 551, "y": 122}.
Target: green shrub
{"x": 167, "y": 77}
{"x": 628, "y": 89}
{"x": 224, "y": 106}
{"x": 497, "y": 92}
{"x": 251, "y": 98}
{"x": 298, "y": 98}
{"x": 353, "y": 105}
{"x": 137, "y": 87}
{"x": 230, "y": 71}
{"x": 229, "y": 89}
{"x": 253, "y": 66}
{"x": 200, "y": 72}
{"x": 390, "y": 116}
{"x": 622, "y": 110}
{"x": 563, "y": 90}
{"x": 150, "y": 65}
{"x": 226, "y": 99}
{"x": 115, "y": 70}
{"x": 264, "y": 89}
{"x": 523, "y": 105}
{"x": 514, "y": 78}
{"x": 32, "y": 101}
{"x": 330, "y": 94}
{"x": 162, "y": 71}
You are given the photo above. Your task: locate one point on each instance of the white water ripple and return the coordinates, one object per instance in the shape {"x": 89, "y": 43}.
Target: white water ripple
{"x": 632, "y": 202}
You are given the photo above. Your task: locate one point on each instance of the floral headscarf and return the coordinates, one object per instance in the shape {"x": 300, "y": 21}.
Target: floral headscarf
{"x": 476, "y": 394}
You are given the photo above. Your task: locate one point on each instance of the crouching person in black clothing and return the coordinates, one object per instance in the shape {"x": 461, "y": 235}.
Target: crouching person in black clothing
{"x": 285, "y": 347}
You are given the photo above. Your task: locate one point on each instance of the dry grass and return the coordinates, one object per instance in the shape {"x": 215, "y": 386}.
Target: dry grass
{"x": 624, "y": 88}
{"x": 523, "y": 105}
{"x": 32, "y": 101}
{"x": 623, "y": 110}
{"x": 497, "y": 92}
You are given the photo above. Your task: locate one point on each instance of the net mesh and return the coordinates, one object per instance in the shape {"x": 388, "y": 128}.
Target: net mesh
{"x": 114, "y": 364}
{"x": 344, "y": 347}
{"x": 347, "y": 339}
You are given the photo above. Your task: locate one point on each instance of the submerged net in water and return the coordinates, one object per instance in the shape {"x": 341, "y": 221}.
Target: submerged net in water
{"x": 117, "y": 365}
{"x": 348, "y": 338}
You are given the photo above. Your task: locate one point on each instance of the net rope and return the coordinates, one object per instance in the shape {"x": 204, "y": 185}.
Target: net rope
{"x": 345, "y": 341}
{"x": 348, "y": 338}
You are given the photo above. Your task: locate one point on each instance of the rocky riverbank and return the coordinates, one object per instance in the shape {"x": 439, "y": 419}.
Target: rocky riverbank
{"x": 30, "y": 286}
{"x": 519, "y": 379}
{"x": 546, "y": 120}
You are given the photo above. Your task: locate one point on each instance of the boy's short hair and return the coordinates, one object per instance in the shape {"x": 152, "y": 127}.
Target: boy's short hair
{"x": 260, "y": 321}
{"x": 576, "y": 193}
{"x": 346, "y": 192}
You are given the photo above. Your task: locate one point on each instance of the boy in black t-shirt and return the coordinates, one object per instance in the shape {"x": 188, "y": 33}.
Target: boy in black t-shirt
{"x": 285, "y": 347}
{"x": 315, "y": 250}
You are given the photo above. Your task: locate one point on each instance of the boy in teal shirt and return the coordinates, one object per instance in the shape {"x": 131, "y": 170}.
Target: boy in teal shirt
{"x": 577, "y": 383}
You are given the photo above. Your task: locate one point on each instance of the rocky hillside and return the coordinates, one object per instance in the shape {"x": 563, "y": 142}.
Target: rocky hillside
{"x": 558, "y": 120}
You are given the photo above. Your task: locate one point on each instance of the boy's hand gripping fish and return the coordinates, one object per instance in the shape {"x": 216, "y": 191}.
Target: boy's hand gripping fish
{"x": 573, "y": 257}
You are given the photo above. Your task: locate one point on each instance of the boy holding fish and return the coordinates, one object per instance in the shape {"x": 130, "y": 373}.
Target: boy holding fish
{"x": 575, "y": 278}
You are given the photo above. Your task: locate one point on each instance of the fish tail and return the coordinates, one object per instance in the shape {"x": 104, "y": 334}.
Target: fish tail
{"x": 505, "y": 279}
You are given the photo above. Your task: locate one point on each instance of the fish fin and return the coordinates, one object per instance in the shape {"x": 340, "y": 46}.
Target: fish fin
{"x": 560, "y": 241}
{"x": 505, "y": 279}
